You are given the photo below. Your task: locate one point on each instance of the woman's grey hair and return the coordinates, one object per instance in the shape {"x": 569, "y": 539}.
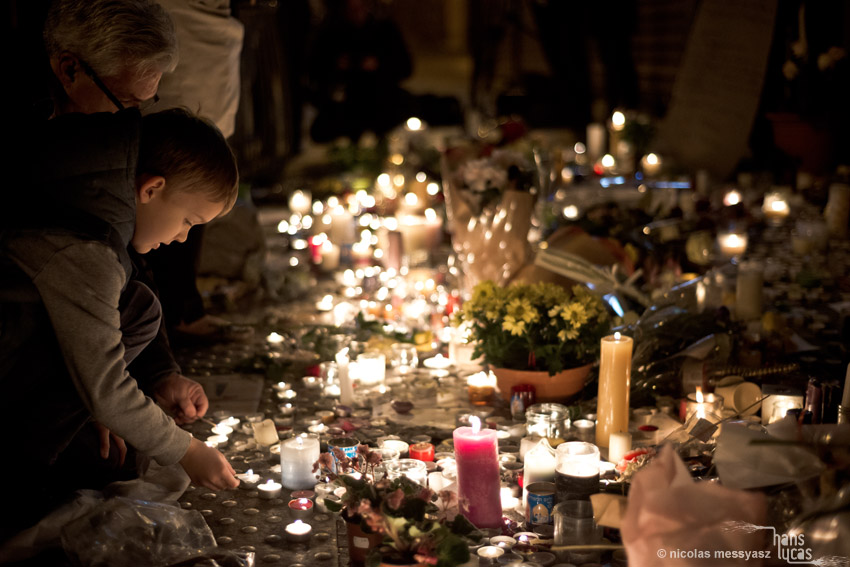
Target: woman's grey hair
{"x": 113, "y": 35}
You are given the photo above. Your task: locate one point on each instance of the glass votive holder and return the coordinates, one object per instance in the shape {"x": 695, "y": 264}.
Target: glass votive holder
{"x": 776, "y": 206}
{"x": 574, "y": 525}
{"x": 370, "y": 368}
{"x": 706, "y": 406}
{"x": 481, "y": 387}
{"x": 576, "y": 471}
{"x": 410, "y": 468}
{"x": 732, "y": 243}
{"x": 585, "y": 430}
{"x": 404, "y": 358}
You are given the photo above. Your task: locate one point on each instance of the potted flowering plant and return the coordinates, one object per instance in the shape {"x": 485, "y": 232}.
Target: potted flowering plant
{"x": 410, "y": 521}
{"x": 540, "y": 328}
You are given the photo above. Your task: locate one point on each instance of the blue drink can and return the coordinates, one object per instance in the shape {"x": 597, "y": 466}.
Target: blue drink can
{"x": 541, "y": 502}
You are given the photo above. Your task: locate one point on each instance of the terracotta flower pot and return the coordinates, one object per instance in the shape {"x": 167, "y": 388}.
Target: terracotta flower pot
{"x": 360, "y": 543}
{"x": 548, "y": 388}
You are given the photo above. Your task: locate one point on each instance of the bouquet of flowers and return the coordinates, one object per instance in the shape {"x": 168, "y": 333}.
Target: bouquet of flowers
{"x": 415, "y": 528}
{"x": 539, "y": 326}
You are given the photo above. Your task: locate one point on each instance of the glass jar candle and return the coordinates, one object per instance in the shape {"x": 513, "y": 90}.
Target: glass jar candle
{"x": 548, "y": 420}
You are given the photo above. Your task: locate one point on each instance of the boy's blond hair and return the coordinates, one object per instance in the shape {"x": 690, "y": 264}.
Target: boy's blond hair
{"x": 190, "y": 153}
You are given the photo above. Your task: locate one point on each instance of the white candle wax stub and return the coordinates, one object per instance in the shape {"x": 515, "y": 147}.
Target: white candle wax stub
{"x": 619, "y": 444}
{"x": 265, "y": 432}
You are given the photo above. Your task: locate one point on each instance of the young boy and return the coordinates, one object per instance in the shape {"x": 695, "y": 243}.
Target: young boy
{"x": 71, "y": 317}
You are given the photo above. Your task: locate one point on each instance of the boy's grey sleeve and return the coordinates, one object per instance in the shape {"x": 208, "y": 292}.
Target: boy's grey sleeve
{"x": 80, "y": 286}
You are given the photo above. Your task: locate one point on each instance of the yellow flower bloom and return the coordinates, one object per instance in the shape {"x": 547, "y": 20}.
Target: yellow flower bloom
{"x": 514, "y": 327}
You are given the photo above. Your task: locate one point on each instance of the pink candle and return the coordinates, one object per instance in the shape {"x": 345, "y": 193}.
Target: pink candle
{"x": 477, "y": 456}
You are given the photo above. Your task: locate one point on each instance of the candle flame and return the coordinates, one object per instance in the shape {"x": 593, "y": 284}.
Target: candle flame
{"x": 300, "y": 442}
{"x": 250, "y": 472}
{"x": 617, "y": 336}
{"x": 269, "y": 483}
{"x": 298, "y": 522}
{"x": 700, "y": 398}
{"x": 475, "y": 423}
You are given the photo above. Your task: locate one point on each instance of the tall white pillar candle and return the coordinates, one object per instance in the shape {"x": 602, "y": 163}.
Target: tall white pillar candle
{"x": 615, "y": 370}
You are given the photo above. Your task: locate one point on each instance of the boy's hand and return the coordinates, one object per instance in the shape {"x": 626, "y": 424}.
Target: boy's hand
{"x": 181, "y": 397}
{"x": 105, "y": 436}
{"x": 207, "y": 467}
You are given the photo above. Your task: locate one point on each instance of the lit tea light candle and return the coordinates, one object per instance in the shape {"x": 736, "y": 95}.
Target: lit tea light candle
{"x": 503, "y": 542}
{"x": 274, "y": 338}
{"x": 282, "y": 386}
{"x": 438, "y": 362}
{"x": 732, "y": 244}
{"x": 287, "y": 395}
{"x": 222, "y": 430}
{"x": 490, "y": 553}
{"x": 326, "y": 303}
{"x": 229, "y": 422}
{"x": 269, "y": 490}
{"x": 301, "y": 508}
{"x": 298, "y": 531}
{"x": 703, "y": 406}
{"x": 775, "y": 207}
{"x": 286, "y": 409}
{"x": 422, "y": 452}
{"x": 248, "y": 480}
{"x": 651, "y": 164}
{"x": 216, "y": 441}
{"x": 311, "y": 382}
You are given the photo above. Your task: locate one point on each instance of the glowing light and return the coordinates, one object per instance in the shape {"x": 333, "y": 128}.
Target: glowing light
{"x": 384, "y": 180}
{"x": 274, "y": 338}
{"x": 318, "y": 207}
{"x": 307, "y": 222}
{"x": 421, "y": 177}
{"x": 475, "y": 423}
{"x": 398, "y": 180}
{"x": 732, "y": 198}
{"x": 618, "y": 121}
{"x": 282, "y": 226}
{"x": 571, "y": 211}
{"x": 430, "y": 215}
{"x": 607, "y": 161}
{"x": 293, "y": 261}
{"x": 579, "y": 148}
{"x": 413, "y": 124}
{"x": 333, "y": 202}
{"x": 411, "y": 199}
{"x": 652, "y": 159}
{"x": 432, "y": 188}
{"x": 397, "y": 159}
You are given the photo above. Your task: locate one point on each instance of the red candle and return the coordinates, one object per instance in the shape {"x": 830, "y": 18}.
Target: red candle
{"x": 300, "y": 504}
{"x": 422, "y": 451}
{"x": 477, "y": 456}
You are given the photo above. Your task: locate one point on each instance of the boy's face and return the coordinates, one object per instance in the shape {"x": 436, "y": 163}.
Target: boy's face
{"x": 165, "y": 216}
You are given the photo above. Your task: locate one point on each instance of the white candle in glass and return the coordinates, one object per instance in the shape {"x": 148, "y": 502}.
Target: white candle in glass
{"x": 297, "y": 456}
{"x": 371, "y": 368}
{"x": 615, "y": 369}
{"x": 539, "y": 465}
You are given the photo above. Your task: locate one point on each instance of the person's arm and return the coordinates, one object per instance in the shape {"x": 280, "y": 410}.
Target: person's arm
{"x": 80, "y": 286}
